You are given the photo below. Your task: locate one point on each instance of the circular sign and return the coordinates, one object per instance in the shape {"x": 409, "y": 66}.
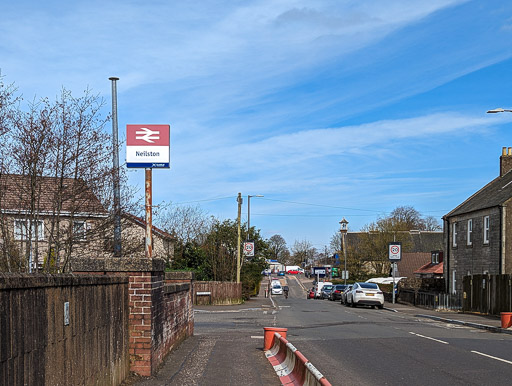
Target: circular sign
{"x": 248, "y": 249}
{"x": 395, "y": 249}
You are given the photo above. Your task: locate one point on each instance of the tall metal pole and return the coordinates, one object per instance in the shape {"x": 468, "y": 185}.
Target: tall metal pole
{"x": 345, "y": 258}
{"x": 117, "y": 189}
{"x": 239, "y": 200}
{"x": 149, "y": 218}
{"x": 248, "y": 217}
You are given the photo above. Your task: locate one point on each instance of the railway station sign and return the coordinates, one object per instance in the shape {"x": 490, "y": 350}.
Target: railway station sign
{"x": 148, "y": 146}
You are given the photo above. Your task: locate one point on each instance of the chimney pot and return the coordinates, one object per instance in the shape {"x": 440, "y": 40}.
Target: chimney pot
{"x": 504, "y": 151}
{"x": 510, "y": 151}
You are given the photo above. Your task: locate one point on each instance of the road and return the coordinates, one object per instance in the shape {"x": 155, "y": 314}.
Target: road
{"x": 364, "y": 346}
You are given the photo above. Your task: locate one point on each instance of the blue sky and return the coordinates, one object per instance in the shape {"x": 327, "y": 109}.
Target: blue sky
{"x": 329, "y": 109}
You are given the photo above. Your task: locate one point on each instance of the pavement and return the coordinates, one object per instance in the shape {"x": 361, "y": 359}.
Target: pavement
{"x": 213, "y": 356}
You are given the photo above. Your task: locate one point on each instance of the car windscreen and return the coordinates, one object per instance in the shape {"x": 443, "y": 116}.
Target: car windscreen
{"x": 327, "y": 287}
{"x": 369, "y": 285}
{"x": 276, "y": 286}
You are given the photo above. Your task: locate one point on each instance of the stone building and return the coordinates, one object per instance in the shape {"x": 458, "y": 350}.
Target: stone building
{"x": 478, "y": 232}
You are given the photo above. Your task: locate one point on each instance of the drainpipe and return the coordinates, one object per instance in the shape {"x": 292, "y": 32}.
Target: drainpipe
{"x": 503, "y": 241}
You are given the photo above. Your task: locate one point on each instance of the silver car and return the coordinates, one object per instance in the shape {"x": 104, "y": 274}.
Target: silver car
{"x": 368, "y": 294}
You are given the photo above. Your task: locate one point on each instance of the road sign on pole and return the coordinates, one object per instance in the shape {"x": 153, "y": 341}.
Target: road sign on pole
{"x": 249, "y": 248}
{"x": 395, "y": 251}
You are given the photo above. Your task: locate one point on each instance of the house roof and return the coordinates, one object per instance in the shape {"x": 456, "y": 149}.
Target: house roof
{"x": 495, "y": 193}
{"x": 437, "y": 269}
{"x": 141, "y": 222}
{"x": 75, "y": 195}
{"x": 411, "y": 261}
{"x": 421, "y": 241}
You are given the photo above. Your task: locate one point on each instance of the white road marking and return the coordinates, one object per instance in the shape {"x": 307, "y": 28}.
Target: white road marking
{"x": 257, "y": 337}
{"x": 490, "y": 356}
{"x": 428, "y": 337}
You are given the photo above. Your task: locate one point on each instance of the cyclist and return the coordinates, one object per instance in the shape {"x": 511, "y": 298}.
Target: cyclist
{"x": 285, "y": 291}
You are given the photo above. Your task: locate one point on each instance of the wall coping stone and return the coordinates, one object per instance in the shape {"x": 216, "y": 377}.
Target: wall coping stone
{"x": 173, "y": 288}
{"x": 119, "y": 264}
{"x": 180, "y": 275}
{"x": 36, "y": 280}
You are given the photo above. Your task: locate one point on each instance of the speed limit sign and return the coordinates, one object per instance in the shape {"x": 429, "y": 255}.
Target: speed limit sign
{"x": 249, "y": 248}
{"x": 395, "y": 251}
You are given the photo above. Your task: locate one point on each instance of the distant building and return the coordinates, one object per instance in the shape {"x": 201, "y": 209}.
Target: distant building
{"x": 478, "y": 232}
{"x": 416, "y": 253}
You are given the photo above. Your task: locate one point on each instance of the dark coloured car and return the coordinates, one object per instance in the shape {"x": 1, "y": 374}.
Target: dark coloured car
{"x": 280, "y": 273}
{"x": 337, "y": 291}
{"x": 326, "y": 291}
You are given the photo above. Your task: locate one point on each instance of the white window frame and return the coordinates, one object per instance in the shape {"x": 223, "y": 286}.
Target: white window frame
{"x": 487, "y": 227}
{"x": 80, "y": 234}
{"x": 470, "y": 232}
{"x": 21, "y": 229}
{"x": 454, "y": 235}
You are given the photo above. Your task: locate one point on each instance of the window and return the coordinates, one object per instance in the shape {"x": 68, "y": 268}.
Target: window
{"x": 79, "y": 229}
{"x": 454, "y": 281}
{"x": 487, "y": 224}
{"x": 470, "y": 232}
{"x": 21, "y": 230}
{"x": 454, "y": 235}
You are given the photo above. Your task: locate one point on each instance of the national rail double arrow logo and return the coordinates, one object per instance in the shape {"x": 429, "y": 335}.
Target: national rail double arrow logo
{"x": 147, "y": 135}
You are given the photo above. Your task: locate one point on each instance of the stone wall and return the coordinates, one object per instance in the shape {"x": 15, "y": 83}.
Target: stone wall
{"x": 40, "y": 346}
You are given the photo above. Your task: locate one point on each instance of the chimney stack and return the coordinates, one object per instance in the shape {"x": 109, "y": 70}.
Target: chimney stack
{"x": 505, "y": 161}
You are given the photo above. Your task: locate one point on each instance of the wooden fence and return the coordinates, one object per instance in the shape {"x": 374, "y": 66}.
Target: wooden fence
{"x": 487, "y": 294}
{"x": 217, "y": 292}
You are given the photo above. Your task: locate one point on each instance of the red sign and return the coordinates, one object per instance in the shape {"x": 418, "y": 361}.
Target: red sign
{"x": 147, "y": 135}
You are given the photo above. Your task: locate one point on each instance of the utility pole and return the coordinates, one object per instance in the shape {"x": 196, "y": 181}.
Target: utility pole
{"x": 239, "y": 200}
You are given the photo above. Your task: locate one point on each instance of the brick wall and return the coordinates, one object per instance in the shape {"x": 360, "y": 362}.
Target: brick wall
{"x": 38, "y": 348}
{"x": 160, "y": 307}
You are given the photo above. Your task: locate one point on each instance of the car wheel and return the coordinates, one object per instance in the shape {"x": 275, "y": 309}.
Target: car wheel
{"x": 353, "y": 304}
{"x": 381, "y": 306}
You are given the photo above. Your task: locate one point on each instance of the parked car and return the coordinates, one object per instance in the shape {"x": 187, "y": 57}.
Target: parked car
{"x": 343, "y": 297}
{"x": 326, "y": 291}
{"x": 293, "y": 272}
{"x": 311, "y": 293}
{"x": 280, "y": 273}
{"x": 266, "y": 272}
{"x": 365, "y": 294}
{"x": 318, "y": 288}
{"x": 337, "y": 291}
{"x": 276, "y": 288}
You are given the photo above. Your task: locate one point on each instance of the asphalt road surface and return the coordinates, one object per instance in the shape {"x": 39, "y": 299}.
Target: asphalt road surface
{"x": 365, "y": 346}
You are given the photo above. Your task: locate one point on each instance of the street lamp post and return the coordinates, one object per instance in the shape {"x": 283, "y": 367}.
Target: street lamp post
{"x": 343, "y": 231}
{"x": 249, "y": 213}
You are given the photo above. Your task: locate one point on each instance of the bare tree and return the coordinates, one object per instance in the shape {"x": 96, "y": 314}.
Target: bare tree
{"x": 186, "y": 223}
{"x": 432, "y": 224}
{"x": 303, "y": 251}
{"x": 64, "y": 141}
{"x": 278, "y": 248}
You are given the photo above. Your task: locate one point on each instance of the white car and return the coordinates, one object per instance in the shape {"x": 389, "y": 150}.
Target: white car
{"x": 365, "y": 294}
{"x": 276, "y": 289}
